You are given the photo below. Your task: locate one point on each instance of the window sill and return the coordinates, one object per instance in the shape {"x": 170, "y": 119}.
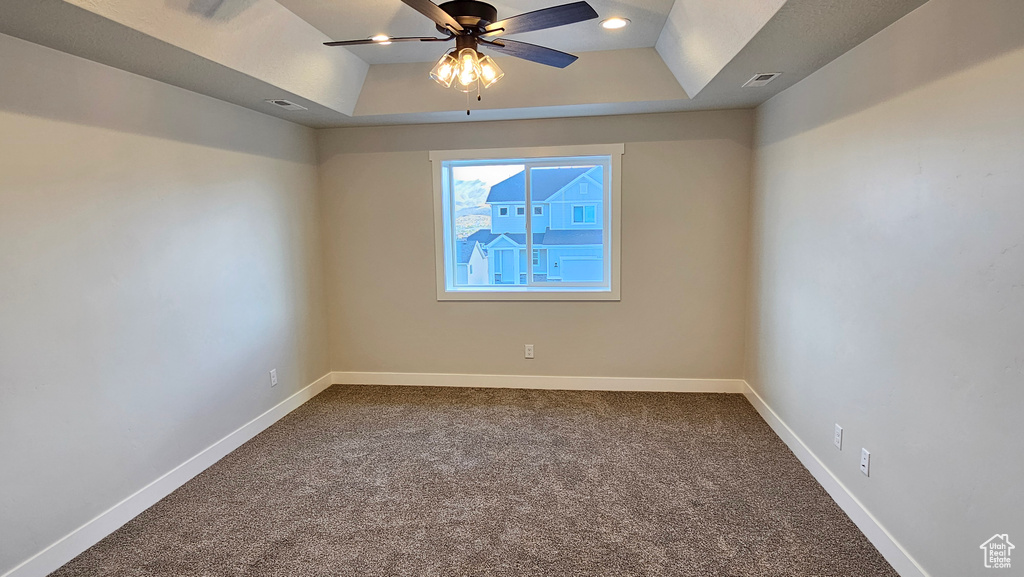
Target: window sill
{"x": 507, "y": 294}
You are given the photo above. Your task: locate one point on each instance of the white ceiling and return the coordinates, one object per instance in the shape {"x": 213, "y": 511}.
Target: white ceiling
{"x": 354, "y": 20}
{"x": 247, "y": 51}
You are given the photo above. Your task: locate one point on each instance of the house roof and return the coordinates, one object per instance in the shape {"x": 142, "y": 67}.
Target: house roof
{"x": 483, "y": 236}
{"x": 546, "y": 182}
{"x": 464, "y": 248}
{"x": 547, "y": 238}
{"x": 520, "y": 238}
{"x": 569, "y": 237}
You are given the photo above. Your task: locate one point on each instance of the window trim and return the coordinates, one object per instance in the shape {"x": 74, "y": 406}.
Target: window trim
{"x": 612, "y": 226}
{"x": 520, "y": 211}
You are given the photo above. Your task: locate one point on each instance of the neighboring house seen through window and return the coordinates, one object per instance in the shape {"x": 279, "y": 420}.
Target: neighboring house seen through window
{"x": 570, "y": 234}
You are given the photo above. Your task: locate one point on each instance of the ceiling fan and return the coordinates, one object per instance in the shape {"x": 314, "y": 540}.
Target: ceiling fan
{"x": 471, "y": 24}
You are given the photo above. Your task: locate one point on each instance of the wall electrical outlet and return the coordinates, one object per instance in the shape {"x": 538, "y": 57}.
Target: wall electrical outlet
{"x": 528, "y": 349}
{"x": 837, "y": 439}
{"x": 865, "y": 462}
{"x": 273, "y": 377}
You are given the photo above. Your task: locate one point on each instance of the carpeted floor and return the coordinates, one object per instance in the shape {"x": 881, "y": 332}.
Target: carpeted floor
{"x": 409, "y": 481}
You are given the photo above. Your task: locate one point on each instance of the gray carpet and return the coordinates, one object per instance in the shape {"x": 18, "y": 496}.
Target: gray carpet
{"x": 429, "y": 481}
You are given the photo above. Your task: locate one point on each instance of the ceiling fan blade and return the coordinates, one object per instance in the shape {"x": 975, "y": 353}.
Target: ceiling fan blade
{"x": 398, "y": 39}
{"x": 434, "y": 12}
{"x": 532, "y": 52}
{"x": 541, "y": 19}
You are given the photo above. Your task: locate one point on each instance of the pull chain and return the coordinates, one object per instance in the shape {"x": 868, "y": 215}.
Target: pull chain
{"x": 478, "y": 97}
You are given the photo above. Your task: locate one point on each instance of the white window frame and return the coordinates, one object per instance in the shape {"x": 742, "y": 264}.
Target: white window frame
{"x": 502, "y": 211}
{"x": 520, "y": 211}
{"x": 444, "y": 231}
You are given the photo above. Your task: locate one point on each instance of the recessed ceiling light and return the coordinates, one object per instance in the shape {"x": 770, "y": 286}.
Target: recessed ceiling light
{"x": 615, "y": 23}
{"x": 382, "y": 39}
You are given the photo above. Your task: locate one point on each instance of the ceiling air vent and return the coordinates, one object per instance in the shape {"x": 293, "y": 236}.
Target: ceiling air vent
{"x": 287, "y": 105}
{"x": 761, "y": 79}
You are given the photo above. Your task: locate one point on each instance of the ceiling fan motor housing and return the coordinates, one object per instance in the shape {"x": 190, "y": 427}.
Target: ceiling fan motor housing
{"x": 470, "y": 14}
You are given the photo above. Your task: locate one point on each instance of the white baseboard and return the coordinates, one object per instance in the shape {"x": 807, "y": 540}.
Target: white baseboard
{"x": 886, "y": 544}
{"x": 74, "y": 543}
{"x": 542, "y": 382}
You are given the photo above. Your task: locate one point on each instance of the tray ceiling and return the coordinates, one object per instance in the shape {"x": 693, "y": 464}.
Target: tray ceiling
{"x": 353, "y": 20}
{"x": 676, "y": 55}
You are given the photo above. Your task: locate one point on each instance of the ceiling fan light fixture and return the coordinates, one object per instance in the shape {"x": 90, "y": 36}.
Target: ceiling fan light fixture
{"x": 445, "y": 71}
{"x": 614, "y": 23}
{"x": 473, "y": 22}
{"x": 489, "y": 72}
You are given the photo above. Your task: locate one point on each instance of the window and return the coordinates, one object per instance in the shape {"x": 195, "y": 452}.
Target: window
{"x": 584, "y": 214}
{"x": 571, "y": 239}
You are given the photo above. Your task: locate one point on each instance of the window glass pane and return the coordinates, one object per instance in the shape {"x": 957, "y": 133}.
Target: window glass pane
{"x": 491, "y": 226}
{"x": 568, "y": 239}
{"x": 483, "y": 255}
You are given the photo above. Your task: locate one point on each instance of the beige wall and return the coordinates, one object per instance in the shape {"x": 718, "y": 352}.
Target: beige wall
{"x": 159, "y": 254}
{"x": 685, "y": 187}
{"x": 888, "y": 274}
